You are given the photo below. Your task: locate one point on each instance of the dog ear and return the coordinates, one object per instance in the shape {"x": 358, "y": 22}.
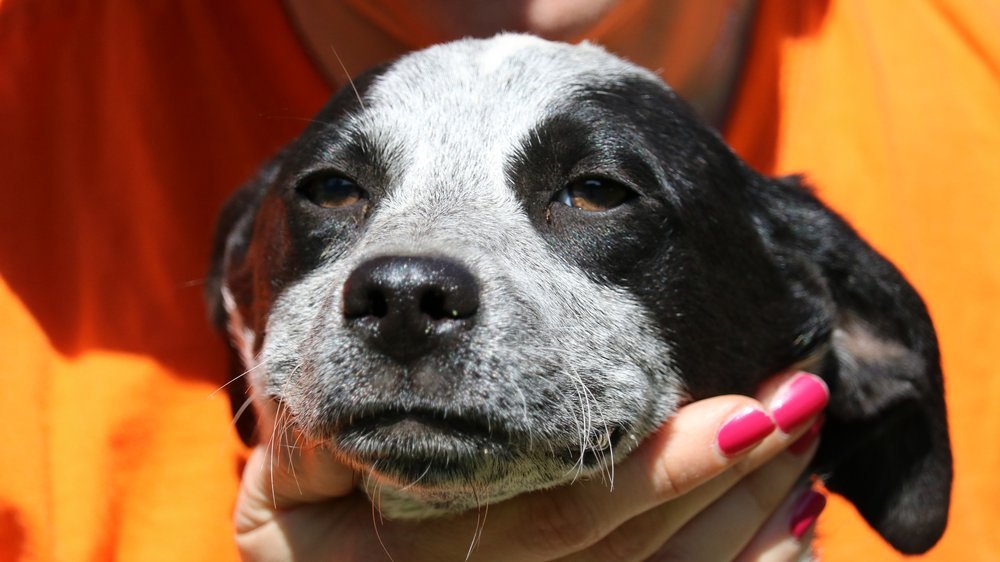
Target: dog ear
{"x": 885, "y": 443}
{"x": 228, "y": 286}
{"x": 231, "y": 240}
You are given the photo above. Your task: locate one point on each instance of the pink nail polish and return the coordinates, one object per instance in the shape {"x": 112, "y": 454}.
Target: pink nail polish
{"x": 747, "y": 428}
{"x": 806, "y": 440}
{"x": 802, "y": 399}
{"x": 806, "y": 511}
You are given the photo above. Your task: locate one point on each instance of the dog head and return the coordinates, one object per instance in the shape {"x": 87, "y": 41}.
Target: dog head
{"x": 495, "y": 265}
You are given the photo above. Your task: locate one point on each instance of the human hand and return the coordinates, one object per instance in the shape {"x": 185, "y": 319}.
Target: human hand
{"x": 715, "y": 483}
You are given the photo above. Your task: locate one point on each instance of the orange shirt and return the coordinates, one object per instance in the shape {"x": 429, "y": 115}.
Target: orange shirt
{"x": 124, "y": 125}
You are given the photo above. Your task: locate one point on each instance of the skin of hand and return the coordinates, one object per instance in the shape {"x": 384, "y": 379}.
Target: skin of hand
{"x": 671, "y": 498}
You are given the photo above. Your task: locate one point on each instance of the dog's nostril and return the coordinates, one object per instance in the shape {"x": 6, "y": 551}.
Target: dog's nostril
{"x": 361, "y": 301}
{"x": 432, "y": 304}
{"x": 407, "y": 305}
{"x": 456, "y": 304}
{"x": 377, "y": 305}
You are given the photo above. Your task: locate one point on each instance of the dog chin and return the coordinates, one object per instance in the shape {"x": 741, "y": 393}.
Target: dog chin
{"x": 443, "y": 488}
{"x": 415, "y": 465}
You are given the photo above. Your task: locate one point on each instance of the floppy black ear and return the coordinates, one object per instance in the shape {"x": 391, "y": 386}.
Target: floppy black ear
{"x": 885, "y": 444}
{"x": 228, "y": 285}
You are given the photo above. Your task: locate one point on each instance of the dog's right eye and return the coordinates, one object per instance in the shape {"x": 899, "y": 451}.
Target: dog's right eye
{"x": 332, "y": 191}
{"x": 594, "y": 194}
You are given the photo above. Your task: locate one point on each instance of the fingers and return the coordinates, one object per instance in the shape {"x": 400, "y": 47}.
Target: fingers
{"x": 688, "y": 527}
{"x": 672, "y": 462}
{"x": 660, "y": 534}
{"x": 277, "y": 479}
{"x": 298, "y": 504}
{"x": 787, "y": 535}
{"x": 685, "y": 480}
{"x": 741, "y": 512}
{"x": 683, "y": 460}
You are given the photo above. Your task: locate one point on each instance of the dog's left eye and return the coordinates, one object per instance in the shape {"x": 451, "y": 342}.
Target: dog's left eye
{"x": 594, "y": 194}
{"x": 332, "y": 191}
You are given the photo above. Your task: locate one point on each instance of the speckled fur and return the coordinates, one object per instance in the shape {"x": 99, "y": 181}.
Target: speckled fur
{"x": 555, "y": 354}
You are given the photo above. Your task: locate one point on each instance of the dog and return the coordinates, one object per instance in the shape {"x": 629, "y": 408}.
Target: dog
{"x": 500, "y": 264}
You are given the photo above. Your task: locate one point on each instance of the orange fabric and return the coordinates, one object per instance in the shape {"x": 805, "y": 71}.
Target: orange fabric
{"x": 123, "y": 126}
{"x": 894, "y": 115}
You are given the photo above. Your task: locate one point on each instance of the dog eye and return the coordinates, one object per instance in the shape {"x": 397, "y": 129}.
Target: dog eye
{"x": 332, "y": 191}
{"x": 594, "y": 194}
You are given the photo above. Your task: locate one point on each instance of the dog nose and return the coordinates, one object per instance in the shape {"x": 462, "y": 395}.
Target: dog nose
{"x": 408, "y": 305}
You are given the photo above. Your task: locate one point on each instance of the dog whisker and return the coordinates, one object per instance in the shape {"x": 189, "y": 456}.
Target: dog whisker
{"x": 580, "y": 431}
{"x": 482, "y": 527}
{"x": 287, "y": 427}
{"x": 369, "y": 481}
{"x": 193, "y": 283}
{"x": 348, "y": 75}
{"x": 611, "y": 462}
{"x": 526, "y": 417}
{"x": 270, "y": 449}
{"x": 600, "y": 449}
{"x": 375, "y": 496}
{"x": 481, "y": 514}
{"x": 236, "y": 378}
{"x": 379, "y": 486}
{"x": 298, "y": 439}
{"x": 587, "y": 413}
{"x": 419, "y": 478}
{"x": 243, "y": 408}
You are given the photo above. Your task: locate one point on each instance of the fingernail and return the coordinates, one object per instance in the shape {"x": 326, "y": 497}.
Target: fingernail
{"x": 806, "y": 511}
{"x": 745, "y": 429}
{"x": 806, "y": 440}
{"x": 802, "y": 399}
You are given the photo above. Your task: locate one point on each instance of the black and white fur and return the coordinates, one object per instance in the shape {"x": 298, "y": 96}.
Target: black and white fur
{"x": 556, "y": 338}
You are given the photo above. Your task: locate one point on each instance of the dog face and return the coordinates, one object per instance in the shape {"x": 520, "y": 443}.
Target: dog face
{"x": 494, "y": 266}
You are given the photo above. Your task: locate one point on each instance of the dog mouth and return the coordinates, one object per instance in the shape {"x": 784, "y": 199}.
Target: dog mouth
{"x": 434, "y": 448}
{"x": 425, "y": 445}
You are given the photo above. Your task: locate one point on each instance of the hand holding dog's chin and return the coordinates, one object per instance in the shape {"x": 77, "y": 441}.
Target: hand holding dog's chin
{"x": 678, "y": 495}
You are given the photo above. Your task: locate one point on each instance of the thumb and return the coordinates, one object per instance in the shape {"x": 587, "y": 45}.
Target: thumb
{"x": 279, "y": 478}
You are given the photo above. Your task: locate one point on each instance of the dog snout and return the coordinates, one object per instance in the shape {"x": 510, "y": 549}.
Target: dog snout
{"x": 406, "y": 306}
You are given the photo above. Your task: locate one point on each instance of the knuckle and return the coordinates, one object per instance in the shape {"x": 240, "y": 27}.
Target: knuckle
{"x": 766, "y": 487}
{"x": 618, "y": 548}
{"x": 666, "y": 486}
{"x": 762, "y": 493}
{"x": 743, "y": 468}
{"x": 632, "y": 541}
{"x": 559, "y": 523}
